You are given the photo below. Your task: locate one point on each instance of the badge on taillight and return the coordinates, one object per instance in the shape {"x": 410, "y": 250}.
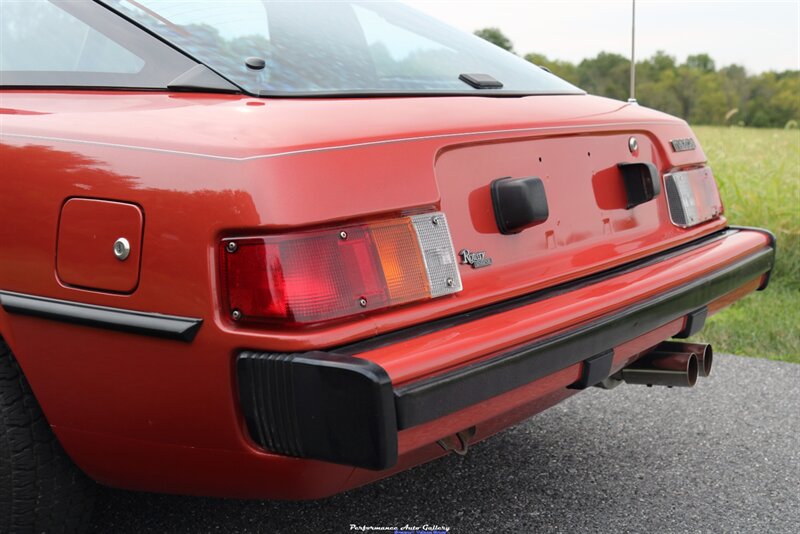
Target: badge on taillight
{"x": 320, "y": 275}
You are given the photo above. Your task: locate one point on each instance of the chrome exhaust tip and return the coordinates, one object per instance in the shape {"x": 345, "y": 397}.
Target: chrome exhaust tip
{"x": 703, "y": 351}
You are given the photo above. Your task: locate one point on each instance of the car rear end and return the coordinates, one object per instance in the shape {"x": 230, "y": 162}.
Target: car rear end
{"x": 353, "y": 308}
{"x": 444, "y": 325}
{"x": 326, "y": 288}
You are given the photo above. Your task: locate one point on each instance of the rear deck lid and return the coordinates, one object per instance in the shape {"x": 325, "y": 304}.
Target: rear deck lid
{"x": 535, "y": 212}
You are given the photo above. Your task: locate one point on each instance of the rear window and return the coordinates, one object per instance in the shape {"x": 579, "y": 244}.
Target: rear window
{"x": 65, "y": 43}
{"x": 38, "y": 36}
{"x": 335, "y": 47}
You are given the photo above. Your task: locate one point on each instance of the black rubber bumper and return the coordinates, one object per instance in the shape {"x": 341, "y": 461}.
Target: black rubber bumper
{"x": 343, "y": 409}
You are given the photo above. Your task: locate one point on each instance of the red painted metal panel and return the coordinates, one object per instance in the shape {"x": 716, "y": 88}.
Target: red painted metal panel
{"x": 87, "y": 233}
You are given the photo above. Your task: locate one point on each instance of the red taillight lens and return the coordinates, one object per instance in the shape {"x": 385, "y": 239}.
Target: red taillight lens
{"x": 327, "y": 274}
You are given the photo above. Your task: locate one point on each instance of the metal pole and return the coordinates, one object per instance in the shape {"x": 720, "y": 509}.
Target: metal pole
{"x": 632, "y": 98}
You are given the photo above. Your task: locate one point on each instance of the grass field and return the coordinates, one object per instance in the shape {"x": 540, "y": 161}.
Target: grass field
{"x": 758, "y": 172}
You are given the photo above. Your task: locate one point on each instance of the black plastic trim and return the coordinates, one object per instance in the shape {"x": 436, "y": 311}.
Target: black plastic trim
{"x": 426, "y": 400}
{"x": 695, "y": 321}
{"x": 642, "y": 182}
{"x": 518, "y": 203}
{"x": 481, "y": 81}
{"x": 773, "y": 242}
{"x": 121, "y": 320}
{"x": 595, "y": 370}
{"x": 201, "y": 78}
{"x": 319, "y": 405}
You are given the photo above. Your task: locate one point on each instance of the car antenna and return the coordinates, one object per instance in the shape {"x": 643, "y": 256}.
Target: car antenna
{"x": 632, "y": 98}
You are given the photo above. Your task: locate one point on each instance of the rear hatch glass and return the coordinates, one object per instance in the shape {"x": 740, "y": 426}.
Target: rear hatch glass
{"x": 321, "y": 48}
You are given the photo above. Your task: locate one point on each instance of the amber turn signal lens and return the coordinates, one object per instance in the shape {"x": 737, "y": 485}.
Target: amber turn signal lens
{"x": 401, "y": 261}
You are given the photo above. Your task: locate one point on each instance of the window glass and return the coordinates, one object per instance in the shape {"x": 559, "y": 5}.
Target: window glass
{"x": 36, "y": 35}
{"x": 333, "y": 47}
{"x": 396, "y": 52}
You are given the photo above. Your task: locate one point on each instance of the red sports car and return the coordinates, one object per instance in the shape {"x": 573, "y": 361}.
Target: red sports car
{"x": 279, "y": 250}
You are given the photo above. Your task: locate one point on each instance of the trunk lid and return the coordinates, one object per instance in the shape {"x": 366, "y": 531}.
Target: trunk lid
{"x": 588, "y": 228}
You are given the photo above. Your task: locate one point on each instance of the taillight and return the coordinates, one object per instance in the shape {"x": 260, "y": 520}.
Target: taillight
{"x": 692, "y": 196}
{"x": 319, "y": 275}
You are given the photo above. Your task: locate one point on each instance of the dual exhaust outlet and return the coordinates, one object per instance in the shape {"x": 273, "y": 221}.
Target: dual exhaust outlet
{"x": 671, "y": 364}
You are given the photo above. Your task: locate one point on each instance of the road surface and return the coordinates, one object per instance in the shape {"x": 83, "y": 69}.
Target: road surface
{"x": 720, "y": 457}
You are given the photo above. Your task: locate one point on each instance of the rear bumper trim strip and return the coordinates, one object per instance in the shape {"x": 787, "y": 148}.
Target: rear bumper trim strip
{"x": 440, "y": 395}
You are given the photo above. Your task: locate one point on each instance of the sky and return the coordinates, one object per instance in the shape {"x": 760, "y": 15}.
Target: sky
{"x": 760, "y": 35}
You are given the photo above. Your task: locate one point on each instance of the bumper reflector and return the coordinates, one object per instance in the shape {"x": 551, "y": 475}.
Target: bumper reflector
{"x": 320, "y": 275}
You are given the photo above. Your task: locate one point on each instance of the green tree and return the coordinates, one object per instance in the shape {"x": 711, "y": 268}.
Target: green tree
{"x": 661, "y": 93}
{"x": 694, "y": 90}
{"x": 773, "y": 99}
{"x": 496, "y": 37}
{"x": 701, "y": 62}
{"x": 787, "y": 97}
{"x": 606, "y": 75}
{"x": 651, "y": 69}
{"x": 563, "y": 69}
{"x": 709, "y": 104}
{"x": 737, "y": 91}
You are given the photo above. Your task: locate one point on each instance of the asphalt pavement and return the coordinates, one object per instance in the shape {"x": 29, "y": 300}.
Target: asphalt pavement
{"x": 723, "y": 456}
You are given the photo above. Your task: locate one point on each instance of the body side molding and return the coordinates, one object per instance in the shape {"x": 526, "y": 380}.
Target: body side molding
{"x": 121, "y": 320}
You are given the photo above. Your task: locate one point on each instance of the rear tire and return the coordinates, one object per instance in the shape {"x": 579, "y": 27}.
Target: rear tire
{"x": 41, "y": 490}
